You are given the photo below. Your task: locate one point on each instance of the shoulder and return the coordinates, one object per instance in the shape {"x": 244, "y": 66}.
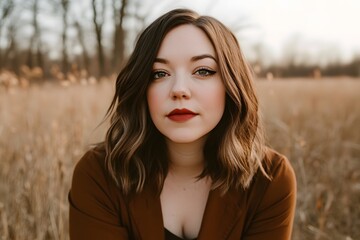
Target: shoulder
{"x": 91, "y": 169}
{"x": 272, "y": 202}
{"x": 92, "y": 162}
{"x": 281, "y": 187}
{"x": 97, "y": 209}
{"x": 279, "y": 169}
{"x": 91, "y": 182}
{"x": 278, "y": 166}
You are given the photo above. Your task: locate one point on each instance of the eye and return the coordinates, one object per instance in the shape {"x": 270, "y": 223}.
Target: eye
{"x": 204, "y": 72}
{"x": 159, "y": 74}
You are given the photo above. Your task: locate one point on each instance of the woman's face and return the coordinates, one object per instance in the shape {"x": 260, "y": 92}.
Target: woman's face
{"x": 186, "y": 97}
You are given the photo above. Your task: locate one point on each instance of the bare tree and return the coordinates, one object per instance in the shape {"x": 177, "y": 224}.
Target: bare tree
{"x": 35, "y": 55}
{"x": 11, "y": 53}
{"x": 119, "y": 7}
{"x": 81, "y": 39}
{"x": 98, "y": 20}
{"x": 65, "y": 60}
{"x": 6, "y": 8}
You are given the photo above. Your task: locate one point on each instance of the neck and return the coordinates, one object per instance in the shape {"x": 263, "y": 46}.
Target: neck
{"x": 186, "y": 159}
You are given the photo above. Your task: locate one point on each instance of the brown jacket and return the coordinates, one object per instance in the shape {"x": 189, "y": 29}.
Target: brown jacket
{"x": 98, "y": 209}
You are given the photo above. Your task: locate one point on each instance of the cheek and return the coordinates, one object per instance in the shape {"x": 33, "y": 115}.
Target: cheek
{"x": 215, "y": 99}
{"x": 153, "y": 100}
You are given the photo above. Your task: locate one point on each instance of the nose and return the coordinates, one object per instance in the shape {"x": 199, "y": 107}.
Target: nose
{"x": 180, "y": 89}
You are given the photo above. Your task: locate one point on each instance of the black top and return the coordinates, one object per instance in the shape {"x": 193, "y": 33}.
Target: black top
{"x": 170, "y": 236}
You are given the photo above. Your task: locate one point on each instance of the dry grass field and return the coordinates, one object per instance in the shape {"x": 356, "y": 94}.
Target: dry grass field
{"x": 44, "y": 131}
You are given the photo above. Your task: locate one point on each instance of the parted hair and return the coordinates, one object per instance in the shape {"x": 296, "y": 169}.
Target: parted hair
{"x": 136, "y": 152}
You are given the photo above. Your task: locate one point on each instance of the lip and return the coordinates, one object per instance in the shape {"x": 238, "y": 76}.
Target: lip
{"x": 181, "y": 115}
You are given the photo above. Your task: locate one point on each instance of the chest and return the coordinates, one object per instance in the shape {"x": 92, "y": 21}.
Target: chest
{"x": 183, "y": 207}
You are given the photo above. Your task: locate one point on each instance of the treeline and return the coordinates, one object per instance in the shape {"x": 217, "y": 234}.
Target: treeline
{"x": 350, "y": 69}
{"x": 67, "y": 37}
{"x": 71, "y": 39}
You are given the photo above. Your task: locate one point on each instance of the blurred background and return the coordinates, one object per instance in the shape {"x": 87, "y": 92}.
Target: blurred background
{"x": 59, "y": 60}
{"x": 63, "y": 39}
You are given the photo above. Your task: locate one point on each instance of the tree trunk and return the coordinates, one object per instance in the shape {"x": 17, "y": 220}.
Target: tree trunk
{"x": 65, "y": 60}
{"x": 11, "y": 53}
{"x": 35, "y": 42}
{"x": 119, "y": 34}
{"x": 98, "y": 21}
{"x": 85, "y": 55}
{"x": 6, "y": 12}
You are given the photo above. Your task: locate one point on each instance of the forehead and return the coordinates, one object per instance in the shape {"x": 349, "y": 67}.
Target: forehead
{"x": 185, "y": 41}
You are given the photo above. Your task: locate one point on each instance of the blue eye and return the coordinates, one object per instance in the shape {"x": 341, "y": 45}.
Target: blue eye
{"x": 205, "y": 72}
{"x": 159, "y": 74}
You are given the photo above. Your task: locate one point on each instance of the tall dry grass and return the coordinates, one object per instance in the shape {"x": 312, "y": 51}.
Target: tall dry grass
{"x": 45, "y": 130}
{"x": 316, "y": 124}
{"x": 43, "y": 133}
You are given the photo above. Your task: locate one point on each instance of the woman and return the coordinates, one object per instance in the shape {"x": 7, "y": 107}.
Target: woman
{"x": 184, "y": 156}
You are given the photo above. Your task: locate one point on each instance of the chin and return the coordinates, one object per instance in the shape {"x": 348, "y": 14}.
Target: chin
{"x": 185, "y": 139}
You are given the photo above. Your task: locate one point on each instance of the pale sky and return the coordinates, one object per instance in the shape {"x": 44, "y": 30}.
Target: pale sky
{"x": 322, "y": 27}
{"x": 320, "y": 31}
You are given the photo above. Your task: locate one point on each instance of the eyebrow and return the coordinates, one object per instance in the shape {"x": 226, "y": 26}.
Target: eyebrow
{"x": 197, "y": 58}
{"x": 193, "y": 59}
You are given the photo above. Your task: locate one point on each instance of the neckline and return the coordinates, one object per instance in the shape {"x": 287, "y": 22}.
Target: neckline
{"x": 171, "y": 236}
{"x": 145, "y": 208}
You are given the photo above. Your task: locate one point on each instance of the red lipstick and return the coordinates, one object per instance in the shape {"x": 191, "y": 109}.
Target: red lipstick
{"x": 181, "y": 115}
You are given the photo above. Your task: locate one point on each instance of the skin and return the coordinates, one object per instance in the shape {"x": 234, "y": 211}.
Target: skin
{"x": 185, "y": 75}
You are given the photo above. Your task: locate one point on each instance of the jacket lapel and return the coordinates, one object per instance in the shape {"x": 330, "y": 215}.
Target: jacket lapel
{"x": 221, "y": 214}
{"x": 145, "y": 210}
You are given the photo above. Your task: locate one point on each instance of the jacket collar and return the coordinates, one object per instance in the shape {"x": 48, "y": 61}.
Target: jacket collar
{"x": 145, "y": 209}
{"x": 221, "y": 214}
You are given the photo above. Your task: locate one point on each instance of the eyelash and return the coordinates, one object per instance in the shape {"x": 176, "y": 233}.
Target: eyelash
{"x": 158, "y": 72}
{"x": 209, "y": 72}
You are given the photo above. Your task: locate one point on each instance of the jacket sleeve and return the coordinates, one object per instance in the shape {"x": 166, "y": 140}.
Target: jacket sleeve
{"x": 275, "y": 214}
{"x": 94, "y": 213}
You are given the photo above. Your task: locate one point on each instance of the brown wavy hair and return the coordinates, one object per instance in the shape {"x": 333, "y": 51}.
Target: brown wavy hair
{"x": 136, "y": 153}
